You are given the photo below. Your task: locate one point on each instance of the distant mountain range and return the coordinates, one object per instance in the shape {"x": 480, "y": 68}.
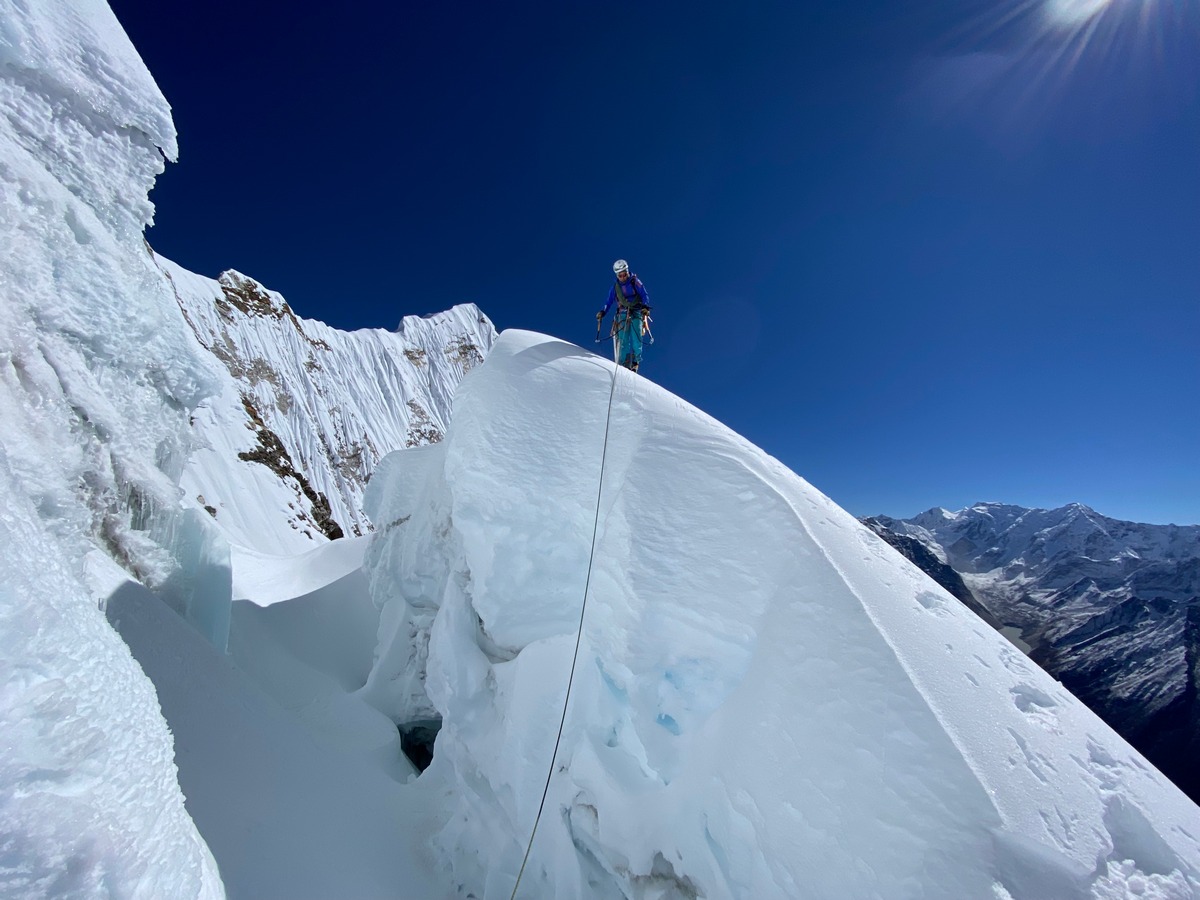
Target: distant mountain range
{"x": 1109, "y": 608}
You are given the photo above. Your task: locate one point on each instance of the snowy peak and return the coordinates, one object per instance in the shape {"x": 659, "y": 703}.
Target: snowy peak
{"x": 307, "y": 411}
{"x": 123, "y": 378}
{"x": 250, "y": 298}
{"x": 991, "y": 536}
{"x": 1012, "y": 550}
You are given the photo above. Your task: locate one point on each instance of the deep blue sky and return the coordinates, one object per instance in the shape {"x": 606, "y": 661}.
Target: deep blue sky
{"x": 922, "y": 260}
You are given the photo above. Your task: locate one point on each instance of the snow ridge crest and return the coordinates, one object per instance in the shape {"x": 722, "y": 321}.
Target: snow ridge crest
{"x": 768, "y": 700}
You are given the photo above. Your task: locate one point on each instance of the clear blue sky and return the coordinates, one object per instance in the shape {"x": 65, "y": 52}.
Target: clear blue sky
{"x": 923, "y": 253}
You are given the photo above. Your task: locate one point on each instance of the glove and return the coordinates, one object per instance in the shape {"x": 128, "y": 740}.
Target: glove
{"x": 599, "y": 315}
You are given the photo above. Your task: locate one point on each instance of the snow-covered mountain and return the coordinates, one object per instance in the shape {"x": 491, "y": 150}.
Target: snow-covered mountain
{"x": 1110, "y": 608}
{"x": 757, "y": 696}
{"x": 306, "y": 411}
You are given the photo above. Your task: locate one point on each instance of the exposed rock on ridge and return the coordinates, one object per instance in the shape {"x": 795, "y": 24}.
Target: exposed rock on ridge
{"x": 309, "y": 409}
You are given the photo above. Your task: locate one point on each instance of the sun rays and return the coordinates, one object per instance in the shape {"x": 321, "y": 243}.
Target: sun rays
{"x": 1051, "y": 44}
{"x": 1069, "y": 13}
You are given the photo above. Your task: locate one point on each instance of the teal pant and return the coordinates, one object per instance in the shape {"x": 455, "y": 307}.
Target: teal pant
{"x": 627, "y": 339}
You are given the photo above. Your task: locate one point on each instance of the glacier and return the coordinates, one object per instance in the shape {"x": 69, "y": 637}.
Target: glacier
{"x": 767, "y": 700}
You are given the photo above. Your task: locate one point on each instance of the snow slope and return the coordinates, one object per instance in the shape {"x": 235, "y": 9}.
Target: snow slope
{"x": 768, "y": 701}
{"x": 296, "y": 785}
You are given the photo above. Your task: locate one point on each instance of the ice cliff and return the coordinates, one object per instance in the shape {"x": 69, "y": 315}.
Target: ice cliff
{"x": 97, "y": 372}
{"x": 148, "y": 436}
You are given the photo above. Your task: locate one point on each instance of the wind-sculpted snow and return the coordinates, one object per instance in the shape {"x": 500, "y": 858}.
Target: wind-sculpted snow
{"x": 768, "y": 700}
{"x": 97, "y": 372}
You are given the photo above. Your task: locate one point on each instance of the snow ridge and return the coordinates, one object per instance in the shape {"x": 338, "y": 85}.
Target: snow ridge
{"x": 769, "y": 700}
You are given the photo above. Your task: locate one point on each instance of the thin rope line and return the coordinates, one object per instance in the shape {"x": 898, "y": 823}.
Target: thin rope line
{"x": 578, "y": 635}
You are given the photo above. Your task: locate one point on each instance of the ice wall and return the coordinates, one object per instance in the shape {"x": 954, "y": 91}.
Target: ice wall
{"x": 768, "y": 700}
{"x": 97, "y": 374}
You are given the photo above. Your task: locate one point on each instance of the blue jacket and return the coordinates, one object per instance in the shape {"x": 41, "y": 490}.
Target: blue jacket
{"x": 632, "y": 290}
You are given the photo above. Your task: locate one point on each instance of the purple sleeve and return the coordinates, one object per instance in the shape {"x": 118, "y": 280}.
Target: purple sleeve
{"x": 641, "y": 291}
{"x": 612, "y": 298}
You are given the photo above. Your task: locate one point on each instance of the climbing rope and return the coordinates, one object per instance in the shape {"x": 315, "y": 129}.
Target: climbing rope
{"x": 578, "y": 635}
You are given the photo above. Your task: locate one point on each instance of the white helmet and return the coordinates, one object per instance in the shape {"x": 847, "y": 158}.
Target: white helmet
{"x": 620, "y": 266}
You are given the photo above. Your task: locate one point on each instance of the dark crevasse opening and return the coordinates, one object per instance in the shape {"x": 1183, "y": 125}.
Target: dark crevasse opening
{"x": 417, "y": 739}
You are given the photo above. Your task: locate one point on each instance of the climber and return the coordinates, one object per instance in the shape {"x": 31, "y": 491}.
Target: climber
{"x": 631, "y": 321}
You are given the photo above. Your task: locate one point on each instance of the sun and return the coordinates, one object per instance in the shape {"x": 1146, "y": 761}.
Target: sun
{"x": 1044, "y": 50}
{"x": 1072, "y": 13}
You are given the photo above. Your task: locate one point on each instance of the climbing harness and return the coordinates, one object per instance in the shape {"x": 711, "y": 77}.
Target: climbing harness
{"x": 624, "y": 323}
{"x": 578, "y": 634}
{"x": 632, "y": 311}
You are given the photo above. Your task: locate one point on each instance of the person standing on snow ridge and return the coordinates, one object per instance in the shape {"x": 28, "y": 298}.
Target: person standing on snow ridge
{"x": 631, "y": 321}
